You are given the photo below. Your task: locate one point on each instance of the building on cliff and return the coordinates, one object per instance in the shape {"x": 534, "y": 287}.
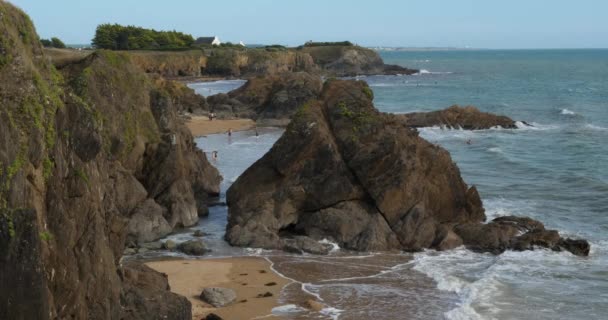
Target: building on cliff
{"x": 209, "y": 40}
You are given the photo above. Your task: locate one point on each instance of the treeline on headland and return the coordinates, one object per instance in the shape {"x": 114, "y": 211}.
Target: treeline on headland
{"x": 118, "y": 37}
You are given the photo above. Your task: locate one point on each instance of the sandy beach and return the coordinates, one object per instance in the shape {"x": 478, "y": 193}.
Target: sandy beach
{"x": 247, "y": 276}
{"x": 201, "y": 125}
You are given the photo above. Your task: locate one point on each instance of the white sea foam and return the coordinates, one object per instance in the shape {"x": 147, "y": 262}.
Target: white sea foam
{"x": 331, "y": 312}
{"x": 334, "y": 246}
{"x": 567, "y": 112}
{"x": 425, "y": 71}
{"x": 287, "y": 309}
{"x": 495, "y": 150}
{"x": 595, "y": 127}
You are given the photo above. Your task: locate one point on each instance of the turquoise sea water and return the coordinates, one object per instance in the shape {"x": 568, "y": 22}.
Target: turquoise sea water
{"x": 555, "y": 171}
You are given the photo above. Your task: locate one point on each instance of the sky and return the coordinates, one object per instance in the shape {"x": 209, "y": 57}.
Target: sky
{"x": 489, "y": 24}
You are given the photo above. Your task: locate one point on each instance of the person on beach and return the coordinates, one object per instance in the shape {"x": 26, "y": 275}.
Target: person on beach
{"x": 229, "y": 132}
{"x": 256, "y": 132}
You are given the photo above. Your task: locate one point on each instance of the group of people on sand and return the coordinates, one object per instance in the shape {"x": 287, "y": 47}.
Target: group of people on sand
{"x": 211, "y": 116}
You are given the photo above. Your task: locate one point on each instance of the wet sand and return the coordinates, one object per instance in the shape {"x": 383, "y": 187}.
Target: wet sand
{"x": 247, "y": 276}
{"x": 201, "y": 125}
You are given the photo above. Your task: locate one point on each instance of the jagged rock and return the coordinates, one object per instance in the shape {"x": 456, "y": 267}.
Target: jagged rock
{"x": 218, "y": 297}
{"x": 270, "y": 100}
{"x": 300, "y": 244}
{"x": 193, "y": 247}
{"x": 156, "y": 245}
{"x": 169, "y": 245}
{"x": 146, "y": 295}
{"x": 148, "y": 223}
{"x": 456, "y": 117}
{"x": 346, "y": 172}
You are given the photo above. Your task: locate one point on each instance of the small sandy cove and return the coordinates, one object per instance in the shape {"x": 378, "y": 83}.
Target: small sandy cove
{"x": 202, "y": 126}
{"x": 247, "y": 276}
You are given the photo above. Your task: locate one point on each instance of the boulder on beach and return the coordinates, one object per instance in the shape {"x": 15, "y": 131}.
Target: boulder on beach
{"x": 346, "y": 172}
{"x": 193, "y": 247}
{"x": 456, "y": 117}
{"x": 218, "y": 297}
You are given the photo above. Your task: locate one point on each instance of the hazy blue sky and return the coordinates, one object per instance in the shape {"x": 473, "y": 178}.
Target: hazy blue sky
{"x": 474, "y": 23}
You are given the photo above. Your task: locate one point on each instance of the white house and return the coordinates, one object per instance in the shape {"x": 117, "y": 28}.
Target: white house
{"x": 215, "y": 41}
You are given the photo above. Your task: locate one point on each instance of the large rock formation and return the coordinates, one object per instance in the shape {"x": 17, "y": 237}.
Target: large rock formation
{"x": 350, "y": 60}
{"x": 456, "y": 117}
{"x": 335, "y": 60}
{"x": 270, "y": 100}
{"x": 83, "y": 151}
{"x": 344, "y": 171}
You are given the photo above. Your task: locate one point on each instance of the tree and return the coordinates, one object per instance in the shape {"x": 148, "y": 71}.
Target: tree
{"x": 117, "y": 37}
{"x": 46, "y": 43}
{"x": 57, "y": 43}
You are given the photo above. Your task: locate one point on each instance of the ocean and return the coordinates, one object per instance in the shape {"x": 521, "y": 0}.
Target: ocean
{"x": 555, "y": 171}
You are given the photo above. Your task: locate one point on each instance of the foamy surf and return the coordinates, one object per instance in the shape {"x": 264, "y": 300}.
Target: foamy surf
{"x": 567, "y": 112}
{"x": 425, "y": 71}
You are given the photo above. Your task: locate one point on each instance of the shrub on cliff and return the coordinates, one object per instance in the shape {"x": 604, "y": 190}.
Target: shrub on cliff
{"x": 53, "y": 43}
{"x": 57, "y": 43}
{"x": 118, "y": 37}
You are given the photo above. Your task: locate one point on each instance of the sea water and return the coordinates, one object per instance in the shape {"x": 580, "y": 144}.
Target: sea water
{"x": 555, "y": 171}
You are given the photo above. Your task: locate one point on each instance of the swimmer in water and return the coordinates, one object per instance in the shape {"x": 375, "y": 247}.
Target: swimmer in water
{"x": 469, "y": 142}
{"x": 214, "y": 155}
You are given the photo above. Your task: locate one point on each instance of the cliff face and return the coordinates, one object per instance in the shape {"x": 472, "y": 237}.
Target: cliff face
{"x": 83, "y": 152}
{"x": 347, "y": 172}
{"x": 222, "y": 62}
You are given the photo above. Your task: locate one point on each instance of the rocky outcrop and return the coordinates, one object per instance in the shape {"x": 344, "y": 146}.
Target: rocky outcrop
{"x": 270, "y": 100}
{"x": 146, "y": 295}
{"x": 336, "y": 60}
{"x": 456, "y": 117}
{"x": 346, "y": 172}
{"x": 83, "y": 151}
{"x": 344, "y": 61}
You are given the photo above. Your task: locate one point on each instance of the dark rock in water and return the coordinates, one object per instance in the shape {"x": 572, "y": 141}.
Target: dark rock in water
{"x": 516, "y": 233}
{"x": 456, "y": 117}
{"x": 391, "y": 69}
{"x": 270, "y": 99}
{"x": 578, "y": 247}
{"x": 146, "y": 295}
{"x": 300, "y": 244}
{"x": 198, "y": 234}
{"x": 193, "y": 247}
{"x": 218, "y": 297}
{"x": 346, "y": 172}
{"x": 213, "y": 316}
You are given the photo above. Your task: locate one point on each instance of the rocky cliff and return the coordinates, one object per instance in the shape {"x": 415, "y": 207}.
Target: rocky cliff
{"x": 90, "y": 156}
{"x": 270, "y": 100}
{"x": 346, "y": 172}
{"x": 251, "y": 62}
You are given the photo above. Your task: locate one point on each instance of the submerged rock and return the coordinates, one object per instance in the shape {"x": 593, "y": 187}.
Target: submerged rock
{"x": 218, "y": 297}
{"x": 456, "y": 117}
{"x": 346, "y": 172}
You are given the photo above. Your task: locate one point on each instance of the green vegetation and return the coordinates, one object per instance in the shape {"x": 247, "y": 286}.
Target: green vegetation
{"x": 359, "y": 119}
{"x": 53, "y": 43}
{"x": 82, "y": 175}
{"x": 117, "y": 37}
{"x": 327, "y": 44}
{"x": 368, "y": 92}
{"x": 46, "y": 236}
{"x": 47, "y": 168}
